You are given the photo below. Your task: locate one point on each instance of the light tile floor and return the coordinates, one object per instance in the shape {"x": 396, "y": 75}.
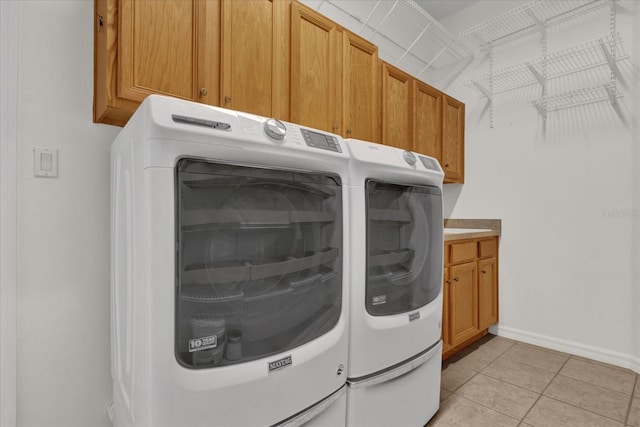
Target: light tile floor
{"x": 500, "y": 382}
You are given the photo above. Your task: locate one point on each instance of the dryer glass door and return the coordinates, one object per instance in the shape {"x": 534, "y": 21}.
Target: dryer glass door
{"x": 404, "y": 247}
{"x": 259, "y": 261}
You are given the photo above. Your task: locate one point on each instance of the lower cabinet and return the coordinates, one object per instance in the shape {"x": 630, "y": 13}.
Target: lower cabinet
{"x": 470, "y": 293}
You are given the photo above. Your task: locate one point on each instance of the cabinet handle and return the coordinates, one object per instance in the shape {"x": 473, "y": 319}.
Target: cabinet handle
{"x": 348, "y": 131}
{"x": 334, "y": 127}
{"x": 446, "y": 165}
{"x": 227, "y": 99}
{"x": 448, "y": 282}
{"x": 484, "y": 271}
{"x": 204, "y": 91}
{"x": 456, "y": 279}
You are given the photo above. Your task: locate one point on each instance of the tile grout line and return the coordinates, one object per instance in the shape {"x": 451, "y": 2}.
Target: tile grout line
{"x": 477, "y": 372}
{"x": 513, "y": 384}
{"x": 585, "y": 409}
{"x": 633, "y": 396}
{"x": 455, "y": 392}
{"x": 533, "y": 366}
{"x": 485, "y": 406}
{"x": 601, "y": 364}
{"x": 543, "y": 390}
{"x": 595, "y": 385}
{"x": 521, "y": 421}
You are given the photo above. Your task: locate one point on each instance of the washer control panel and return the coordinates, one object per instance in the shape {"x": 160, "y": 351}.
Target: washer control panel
{"x": 320, "y": 140}
{"x": 430, "y": 163}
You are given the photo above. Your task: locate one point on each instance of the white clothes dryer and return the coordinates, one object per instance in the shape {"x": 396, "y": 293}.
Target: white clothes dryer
{"x": 229, "y": 269}
{"x": 396, "y": 286}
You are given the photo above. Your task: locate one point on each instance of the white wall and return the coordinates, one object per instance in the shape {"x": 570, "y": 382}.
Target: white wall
{"x": 8, "y": 211}
{"x": 568, "y": 268}
{"x": 636, "y": 199}
{"x": 63, "y": 347}
{"x": 567, "y": 271}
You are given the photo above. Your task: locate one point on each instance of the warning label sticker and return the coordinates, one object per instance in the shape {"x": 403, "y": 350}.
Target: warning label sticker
{"x": 379, "y": 299}
{"x": 203, "y": 343}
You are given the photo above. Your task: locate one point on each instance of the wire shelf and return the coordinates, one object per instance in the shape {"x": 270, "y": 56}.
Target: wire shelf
{"x": 596, "y": 61}
{"x": 605, "y": 51}
{"x": 527, "y": 19}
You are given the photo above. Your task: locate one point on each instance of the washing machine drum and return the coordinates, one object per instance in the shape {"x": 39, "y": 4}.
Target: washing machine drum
{"x": 259, "y": 261}
{"x": 404, "y": 240}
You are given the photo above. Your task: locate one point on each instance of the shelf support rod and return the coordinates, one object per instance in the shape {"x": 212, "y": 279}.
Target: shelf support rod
{"x": 366, "y": 21}
{"x": 484, "y": 45}
{"x": 413, "y": 44}
{"x": 607, "y": 54}
{"x": 383, "y": 20}
{"x": 434, "y": 58}
{"x": 539, "y": 77}
{"x": 491, "y": 81}
{"x": 612, "y": 95}
{"x": 541, "y": 110}
{"x": 536, "y": 20}
{"x": 483, "y": 90}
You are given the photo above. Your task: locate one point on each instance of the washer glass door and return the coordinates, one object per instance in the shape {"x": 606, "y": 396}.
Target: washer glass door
{"x": 259, "y": 261}
{"x": 404, "y": 247}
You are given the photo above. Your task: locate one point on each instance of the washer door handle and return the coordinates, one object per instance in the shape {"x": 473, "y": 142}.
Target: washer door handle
{"x": 397, "y": 371}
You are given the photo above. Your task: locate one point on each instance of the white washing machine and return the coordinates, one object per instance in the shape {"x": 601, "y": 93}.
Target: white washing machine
{"x": 229, "y": 270}
{"x": 396, "y": 286}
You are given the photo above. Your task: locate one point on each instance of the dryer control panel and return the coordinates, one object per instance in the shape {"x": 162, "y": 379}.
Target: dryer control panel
{"x": 320, "y": 140}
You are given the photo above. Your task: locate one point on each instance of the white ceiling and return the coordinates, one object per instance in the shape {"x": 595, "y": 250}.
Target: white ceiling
{"x": 441, "y": 9}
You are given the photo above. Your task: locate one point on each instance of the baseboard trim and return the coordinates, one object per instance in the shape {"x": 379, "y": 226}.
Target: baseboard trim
{"x": 601, "y": 355}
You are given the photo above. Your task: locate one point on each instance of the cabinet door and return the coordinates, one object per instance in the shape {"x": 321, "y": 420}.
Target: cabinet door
{"x": 254, "y": 42}
{"x": 463, "y": 299}
{"x": 427, "y": 120}
{"x": 453, "y": 140}
{"x": 359, "y": 85}
{"x": 158, "y": 48}
{"x": 396, "y": 108}
{"x": 446, "y": 335}
{"x": 314, "y": 71}
{"x": 487, "y": 292}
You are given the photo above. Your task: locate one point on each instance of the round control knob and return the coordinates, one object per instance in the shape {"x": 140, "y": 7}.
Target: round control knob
{"x": 275, "y": 129}
{"x": 409, "y": 157}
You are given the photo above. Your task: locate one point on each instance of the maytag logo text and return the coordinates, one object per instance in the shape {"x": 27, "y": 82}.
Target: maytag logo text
{"x": 280, "y": 364}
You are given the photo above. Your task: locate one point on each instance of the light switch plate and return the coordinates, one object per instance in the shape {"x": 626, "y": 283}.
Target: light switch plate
{"x": 45, "y": 162}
